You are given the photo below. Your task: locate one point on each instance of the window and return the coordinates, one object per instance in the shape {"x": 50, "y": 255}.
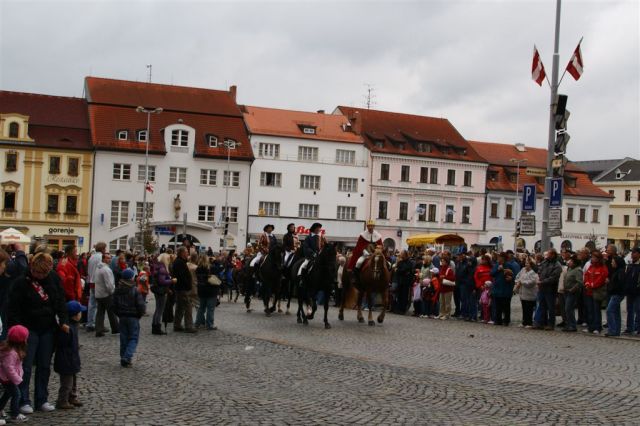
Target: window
{"x": 638, "y": 198}
{"x": 424, "y": 175}
{"x": 638, "y": 221}
{"x": 404, "y": 210}
{"x": 611, "y": 219}
{"x": 509, "y": 211}
{"x": 344, "y": 156}
{"x": 118, "y": 244}
{"x": 569, "y": 214}
{"x": 423, "y": 147}
{"x": 583, "y": 215}
{"x": 382, "y": 209}
{"x": 269, "y": 208}
{"x": 309, "y": 182}
{"x": 308, "y": 210}
{"x": 434, "y": 175}
{"x": 140, "y": 211}
{"x": 347, "y": 184}
{"x": 422, "y": 212}
{"x": 235, "y": 179}
{"x": 52, "y": 203}
{"x": 307, "y": 153}
{"x": 141, "y": 173}
{"x": 121, "y": 171}
{"x": 627, "y": 195}
{"x": 270, "y": 179}
{"x": 141, "y": 135}
{"x": 404, "y": 173}
{"x": 451, "y": 177}
{"x": 208, "y": 177}
{"x": 122, "y": 135}
{"x": 233, "y": 214}
{"x": 494, "y": 210}
{"x": 492, "y": 175}
{"x": 11, "y": 162}
{"x": 206, "y": 213}
{"x": 513, "y": 177}
{"x": 119, "y": 213}
{"x": 379, "y": 144}
{"x": 269, "y": 150}
{"x": 432, "y": 213}
{"x": 9, "y": 201}
{"x": 14, "y": 130}
{"x": 595, "y": 213}
{"x": 571, "y": 181}
{"x": 449, "y": 214}
{"x": 466, "y": 214}
{"x": 384, "y": 171}
{"x": 72, "y": 166}
{"x": 625, "y": 220}
{"x": 72, "y": 204}
{"x": 178, "y": 175}
{"x": 54, "y": 165}
{"x": 212, "y": 141}
{"x": 346, "y": 213}
{"x": 309, "y": 130}
{"x": 467, "y": 178}
{"x": 179, "y": 137}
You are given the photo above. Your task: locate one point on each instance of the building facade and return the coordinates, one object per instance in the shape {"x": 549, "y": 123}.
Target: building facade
{"x": 198, "y": 164}
{"x": 425, "y": 177}
{"x": 309, "y": 167}
{"x": 584, "y": 209}
{"x": 46, "y": 176}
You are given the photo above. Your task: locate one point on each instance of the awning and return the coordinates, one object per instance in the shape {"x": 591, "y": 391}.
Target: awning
{"x": 422, "y": 239}
{"x": 13, "y": 236}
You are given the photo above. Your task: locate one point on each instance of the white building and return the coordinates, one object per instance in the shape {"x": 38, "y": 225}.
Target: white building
{"x": 309, "y": 167}
{"x": 199, "y": 153}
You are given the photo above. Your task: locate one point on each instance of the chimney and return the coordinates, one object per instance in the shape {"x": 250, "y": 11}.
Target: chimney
{"x": 233, "y": 90}
{"x": 320, "y": 111}
{"x": 520, "y": 147}
{"x": 356, "y": 123}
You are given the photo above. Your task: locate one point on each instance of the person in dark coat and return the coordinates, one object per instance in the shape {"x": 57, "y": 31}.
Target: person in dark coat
{"x": 129, "y": 305}
{"x": 182, "y": 288}
{"x": 465, "y": 269}
{"x": 67, "y": 359}
{"x": 615, "y": 292}
{"x": 549, "y": 276}
{"x": 405, "y": 275}
{"x": 632, "y": 292}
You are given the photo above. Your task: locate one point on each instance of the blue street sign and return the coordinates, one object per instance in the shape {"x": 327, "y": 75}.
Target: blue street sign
{"x": 529, "y": 197}
{"x": 555, "y": 199}
{"x": 80, "y": 241}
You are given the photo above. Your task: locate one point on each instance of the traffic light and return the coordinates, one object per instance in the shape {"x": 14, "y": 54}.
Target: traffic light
{"x": 562, "y": 139}
{"x": 561, "y": 112}
{"x": 517, "y": 228}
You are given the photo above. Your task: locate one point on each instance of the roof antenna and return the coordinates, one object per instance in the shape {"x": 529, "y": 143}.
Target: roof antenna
{"x": 149, "y": 67}
{"x": 370, "y": 96}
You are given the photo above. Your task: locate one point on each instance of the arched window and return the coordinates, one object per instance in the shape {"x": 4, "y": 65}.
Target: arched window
{"x": 494, "y": 240}
{"x": 14, "y": 130}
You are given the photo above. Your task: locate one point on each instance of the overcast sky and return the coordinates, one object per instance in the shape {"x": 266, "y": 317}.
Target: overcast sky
{"x": 468, "y": 61}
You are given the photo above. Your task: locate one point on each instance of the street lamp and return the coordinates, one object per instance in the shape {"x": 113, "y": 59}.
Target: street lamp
{"x": 515, "y": 231}
{"x": 146, "y": 169}
{"x": 229, "y": 144}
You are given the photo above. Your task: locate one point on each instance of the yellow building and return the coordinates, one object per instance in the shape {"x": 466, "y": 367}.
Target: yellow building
{"x": 46, "y": 170}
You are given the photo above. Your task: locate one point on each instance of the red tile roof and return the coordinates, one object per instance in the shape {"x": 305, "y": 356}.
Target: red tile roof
{"x": 393, "y": 128}
{"x": 120, "y": 114}
{"x": 54, "y": 121}
{"x": 499, "y": 155}
{"x": 288, "y": 123}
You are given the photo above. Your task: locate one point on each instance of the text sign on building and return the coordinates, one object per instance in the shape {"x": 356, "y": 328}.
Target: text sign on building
{"x": 555, "y": 219}
{"x": 527, "y": 225}
{"x": 555, "y": 198}
{"x": 529, "y": 197}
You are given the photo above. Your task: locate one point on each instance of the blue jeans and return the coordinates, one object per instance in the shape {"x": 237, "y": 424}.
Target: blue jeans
{"x": 207, "y": 304}
{"x": 92, "y": 309}
{"x": 469, "y": 303}
{"x": 129, "y": 334}
{"x": 11, "y": 391}
{"x": 546, "y": 310}
{"x": 594, "y": 314}
{"x": 633, "y": 314}
{"x": 40, "y": 352}
{"x": 570, "y": 310}
{"x": 614, "y": 317}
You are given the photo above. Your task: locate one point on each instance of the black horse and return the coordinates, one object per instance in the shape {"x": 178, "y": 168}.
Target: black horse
{"x": 320, "y": 278}
{"x": 289, "y": 282}
{"x": 270, "y": 271}
{"x": 243, "y": 278}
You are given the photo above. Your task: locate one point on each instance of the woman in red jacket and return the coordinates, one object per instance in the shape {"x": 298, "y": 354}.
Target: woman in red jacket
{"x": 595, "y": 284}
{"x": 447, "y": 285}
{"x": 483, "y": 273}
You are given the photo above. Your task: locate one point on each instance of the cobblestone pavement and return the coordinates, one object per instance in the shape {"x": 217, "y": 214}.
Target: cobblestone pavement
{"x": 259, "y": 370}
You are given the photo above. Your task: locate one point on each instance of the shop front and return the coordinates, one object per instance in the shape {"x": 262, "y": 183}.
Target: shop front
{"x": 57, "y": 236}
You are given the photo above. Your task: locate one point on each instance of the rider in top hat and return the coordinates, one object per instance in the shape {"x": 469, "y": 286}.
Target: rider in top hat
{"x": 265, "y": 243}
{"x": 291, "y": 243}
{"x": 311, "y": 245}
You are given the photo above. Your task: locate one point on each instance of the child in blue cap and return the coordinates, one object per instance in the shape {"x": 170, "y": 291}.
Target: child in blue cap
{"x": 67, "y": 359}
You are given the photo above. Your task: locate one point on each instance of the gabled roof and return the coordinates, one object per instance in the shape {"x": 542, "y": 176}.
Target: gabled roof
{"x": 626, "y": 171}
{"x": 289, "y": 123}
{"x": 117, "y": 111}
{"x": 499, "y": 155}
{"x": 409, "y": 131}
{"x": 54, "y": 121}
{"x": 596, "y": 168}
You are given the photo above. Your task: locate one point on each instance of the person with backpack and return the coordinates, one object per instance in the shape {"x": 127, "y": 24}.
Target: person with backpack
{"x": 129, "y": 306}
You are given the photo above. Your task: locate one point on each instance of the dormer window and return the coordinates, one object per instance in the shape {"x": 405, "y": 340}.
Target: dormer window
{"x": 307, "y": 130}
{"x": 461, "y": 151}
{"x": 513, "y": 177}
{"x": 14, "y": 130}
{"x": 570, "y": 181}
{"x": 444, "y": 149}
{"x": 493, "y": 175}
{"x": 180, "y": 138}
{"x": 212, "y": 141}
{"x": 122, "y": 135}
{"x": 379, "y": 144}
{"x": 423, "y": 147}
{"x": 230, "y": 143}
{"x": 141, "y": 136}
{"x": 400, "y": 146}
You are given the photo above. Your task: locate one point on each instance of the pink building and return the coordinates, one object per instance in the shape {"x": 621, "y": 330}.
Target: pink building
{"x": 425, "y": 177}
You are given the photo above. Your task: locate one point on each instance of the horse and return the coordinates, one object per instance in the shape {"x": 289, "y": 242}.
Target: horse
{"x": 243, "y": 278}
{"x": 270, "y": 271}
{"x": 289, "y": 282}
{"x": 320, "y": 278}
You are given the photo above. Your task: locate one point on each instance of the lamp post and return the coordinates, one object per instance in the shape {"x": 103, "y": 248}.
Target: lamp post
{"x": 515, "y": 231}
{"x": 229, "y": 144}
{"x": 146, "y": 170}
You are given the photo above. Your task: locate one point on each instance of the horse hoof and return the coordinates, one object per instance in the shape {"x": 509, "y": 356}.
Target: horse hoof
{"x": 267, "y": 312}
{"x": 327, "y": 325}
{"x": 305, "y": 322}
{"x": 380, "y": 319}
{"x": 341, "y": 317}
{"x": 287, "y": 313}
{"x": 272, "y": 310}
{"x": 299, "y": 320}
{"x": 361, "y": 320}
{"x": 371, "y": 323}
{"x": 279, "y": 311}
{"x": 309, "y": 317}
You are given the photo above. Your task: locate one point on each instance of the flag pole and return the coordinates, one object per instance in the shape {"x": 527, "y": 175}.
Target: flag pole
{"x": 545, "y": 239}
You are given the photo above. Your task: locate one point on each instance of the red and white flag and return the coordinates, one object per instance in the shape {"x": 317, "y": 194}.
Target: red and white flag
{"x": 149, "y": 187}
{"x": 574, "y": 67}
{"x": 537, "y": 69}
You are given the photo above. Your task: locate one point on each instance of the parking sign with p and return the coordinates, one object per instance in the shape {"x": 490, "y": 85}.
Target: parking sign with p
{"x": 529, "y": 197}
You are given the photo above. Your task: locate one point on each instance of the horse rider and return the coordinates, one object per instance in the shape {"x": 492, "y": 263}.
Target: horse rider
{"x": 265, "y": 243}
{"x": 291, "y": 243}
{"x": 366, "y": 238}
{"x": 311, "y": 246}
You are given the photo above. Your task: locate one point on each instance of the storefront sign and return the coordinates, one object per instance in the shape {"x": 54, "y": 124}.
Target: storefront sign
{"x": 301, "y": 230}
{"x": 66, "y": 231}
{"x": 68, "y": 180}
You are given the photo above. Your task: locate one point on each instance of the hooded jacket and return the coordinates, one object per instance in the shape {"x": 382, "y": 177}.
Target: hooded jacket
{"x": 127, "y": 301}
{"x": 10, "y": 367}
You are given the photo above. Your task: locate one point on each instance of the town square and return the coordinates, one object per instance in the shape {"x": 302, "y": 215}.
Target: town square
{"x": 367, "y": 212}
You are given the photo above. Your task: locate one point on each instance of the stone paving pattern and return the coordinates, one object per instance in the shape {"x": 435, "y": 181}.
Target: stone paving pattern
{"x": 258, "y": 370}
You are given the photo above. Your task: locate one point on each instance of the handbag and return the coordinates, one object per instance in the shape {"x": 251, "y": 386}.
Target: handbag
{"x": 214, "y": 280}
